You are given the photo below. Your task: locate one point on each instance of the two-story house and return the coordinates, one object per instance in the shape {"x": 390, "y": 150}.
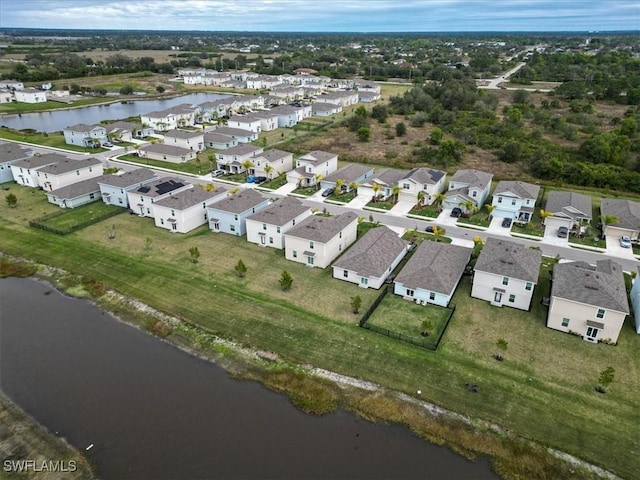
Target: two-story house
{"x": 25, "y": 170}
{"x": 230, "y": 214}
{"x": 347, "y": 176}
{"x": 272, "y": 163}
{"x": 76, "y": 194}
{"x": 218, "y": 141}
{"x": 268, "y": 120}
{"x": 588, "y": 301}
{"x": 68, "y": 171}
{"x": 506, "y": 273}
{"x": 85, "y": 135}
{"x": 188, "y": 139}
{"x": 10, "y": 153}
{"x": 238, "y": 134}
{"x": 381, "y": 184}
{"x": 185, "y": 210}
{"x": 233, "y": 159}
{"x": 142, "y": 199}
{"x": 312, "y": 167}
{"x": 268, "y": 226}
{"x": 183, "y": 115}
{"x": 166, "y": 153}
{"x": 421, "y": 185}
{"x": 114, "y": 188}
{"x": 515, "y": 200}
{"x": 245, "y": 122}
{"x": 318, "y": 240}
{"x": 468, "y": 185}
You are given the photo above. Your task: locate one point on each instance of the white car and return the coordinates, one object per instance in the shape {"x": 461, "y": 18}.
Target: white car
{"x": 625, "y": 242}
{"x": 218, "y": 173}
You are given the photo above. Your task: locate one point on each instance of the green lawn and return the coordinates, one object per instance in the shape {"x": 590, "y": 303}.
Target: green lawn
{"x": 543, "y": 390}
{"x": 478, "y": 218}
{"x": 46, "y": 139}
{"x": 307, "y": 191}
{"x": 69, "y": 218}
{"x": 20, "y": 107}
{"x": 387, "y": 205}
{"x": 188, "y": 167}
{"x": 431, "y": 211}
{"x": 276, "y": 183}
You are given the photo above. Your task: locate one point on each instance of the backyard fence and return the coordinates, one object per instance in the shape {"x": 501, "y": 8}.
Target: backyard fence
{"x": 40, "y": 222}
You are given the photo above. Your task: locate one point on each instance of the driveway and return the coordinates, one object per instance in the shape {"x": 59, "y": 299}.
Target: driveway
{"x": 551, "y": 236}
{"x": 446, "y": 219}
{"x": 401, "y": 208}
{"x": 614, "y": 248}
{"x": 496, "y": 228}
{"x": 285, "y": 190}
{"x": 359, "y": 201}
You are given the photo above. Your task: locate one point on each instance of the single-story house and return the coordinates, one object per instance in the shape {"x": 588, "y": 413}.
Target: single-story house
{"x": 232, "y": 159}
{"x": 368, "y": 97}
{"x": 268, "y": 226}
{"x": 185, "y": 210}
{"x": 569, "y": 209}
{"x": 76, "y": 194}
{"x": 468, "y": 185}
{"x": 506, "y": 273}
{"x": 372, "y": 258}
{"x": 515, "y": 200}
{"x": 626, "y": 214}
{"x": 229, "y": 215}
{"x": 114, "y": 188}
{"x": 318, "y": 240}
{"x": 274, "y": 160}
{"x": 347, "y": 176}
{"x": 432, "y": 273}
{"x": 85, "y": 135}
{"x": 68, "y": 171}
{"x": 191, "y": 140}
{"x": 588, "y": 301}
{"x": 142, "y": 199}
{"x": 166, "y": 153}
{"x": 11, "y": 84}
{"x": 10, "y": 153}
{"x": 30, "y": 95}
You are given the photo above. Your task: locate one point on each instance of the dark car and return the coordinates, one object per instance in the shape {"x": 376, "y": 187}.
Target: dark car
{"x": 429, "y": 229}
{"x": 506, "y": 223}
{"x": 456, "y": 212}
{"x": 328, "y": 192}
{"x": 563, "y": 232}
{"x": 260, "y": 179}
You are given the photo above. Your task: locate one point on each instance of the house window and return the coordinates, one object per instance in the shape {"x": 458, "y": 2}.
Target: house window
{"x": 149, "y": 211}
{"x": 513, "y": 202}
{"x": 432, "y": 296}
{"x": 528, "y": 286}
{"x": 264, "y": 226}
{"x": 232, "y": 228}
{"x": 600, "y": 313}
{"x": 311, "y": 245}
{"x": 505, "y": 280}
{"x": 512, "y": 298}
{"x": 340, "y": 234}
{"x": 565, "y": 322}
{"x": 294, "y": 222}
{"x": 499, "y": 199}
{"x": 345, "y": 273}
{"x": 120, "y": 201}
{"x": 278, "y": 229}
{"x": 90, "y": 169}
{"x": 410, "y": 292}
{"x": 204, "y": 205}
{"x": 309, "y": 260}
{"x": 271, "y": 240}
{"x": 295, "y": 254}
{"x": 142, "y": 199}
{"x": 161, "y": 221}
{"x": 173, "y": 213}
{"x": 77, "y": 172}
{"x": 364, "y": 281}
{"x": 235, "y": 217}
{"x": 406, "y": 186}
{"x": 92, "y": 196}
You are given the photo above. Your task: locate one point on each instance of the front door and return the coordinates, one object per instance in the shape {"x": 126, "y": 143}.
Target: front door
{"x": 592, "y": 334}
{"x": 262, "y": 240}
{"x": 174, "y": 226}
{"x": 497, "y": 298}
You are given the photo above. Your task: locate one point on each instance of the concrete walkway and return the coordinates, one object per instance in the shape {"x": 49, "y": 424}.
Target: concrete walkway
{"x": 285, "y": 190}
{"x": 401, "y": 208}
{"x": 359, "y": 201}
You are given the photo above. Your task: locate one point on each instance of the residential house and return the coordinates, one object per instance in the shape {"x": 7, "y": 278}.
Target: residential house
{"x": 67, "y": 171}
{"x": 635, "y": 300}
{"x": 366, "y": 86}
{"x": 30, "y": 95}
{"x": 433, "y": 273}
{"x": 166, "y": 153}
{"x": 506, "y": 273}
{"x": 347, "y": 176}
{"x": 232, "y": 160}
{"x": 230, "y": 214}
{"x": 191, "y": 140}
{"x": 142, "y": 199}
{"x": 468, "y": 185}
{"x": 183, "y": 115}
{"x": 268, "y": 120}
{"x": 85, "y": 135}
{"x": 588, "y": 301}
{"x": 289, "y": 93}
{"x": 312, "y": 167}
{"x": 185, "y": 210}
{"x": 10, "y": 153}
{"x": 372, "y": 258}
{"x": 318, "y": 240}
{"x": 515, "y": 200}
{"x": 569, "y": 209}
{"x": 245, "y": 122}
{"x": 342, "y": 98}
{"x": 219, "y": 142}
{"x": 422, "y": 182}
{"x": 114, "y": 188}
{"x": 268, "y": 226}
{"x": 240, "y": 135}
{"x": 5, "y": 96}
{"x": 323, "y": 109}
{"x": 127, "y": 131}
{"x": 76, "y": 194}
{"x": 287, "y": 116}
{"x": 368, "y": 97}
{"x": 11, "y": 84}
{"x": 381, "y": 184}
{"x": 627, "y": 216}
{"x": 272, "y": 163}
{"x": 25, "y": 170}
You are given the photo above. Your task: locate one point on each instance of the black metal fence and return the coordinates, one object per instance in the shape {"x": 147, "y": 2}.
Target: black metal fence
{"x": 40, "y": 222}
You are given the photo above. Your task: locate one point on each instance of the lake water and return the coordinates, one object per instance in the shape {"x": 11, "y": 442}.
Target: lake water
{"x": 55, "y": 121}
{"x": 153, "y": 411}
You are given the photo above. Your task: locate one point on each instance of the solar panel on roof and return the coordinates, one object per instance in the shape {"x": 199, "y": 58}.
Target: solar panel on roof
{"x": 144, "y": 189}
{"x": 168, "y": 186}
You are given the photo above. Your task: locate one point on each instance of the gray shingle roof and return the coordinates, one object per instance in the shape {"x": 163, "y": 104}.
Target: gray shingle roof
{"x": 435, "y": 266}
{"x": 573, "y": 205}
{"x": 349, "y": 173}
{"x": 69, "y": 165}
{"x": 280, "y": 212}
{"x": 242, "y": 149}
{"x": 13, "y": 151}
{"x": 217, "y": 138}
{"x": 473, "y": 178}
{"x": 600, "y": 286}
{"x": 188, "y": 198}
{"x": 324, "y": 107}
{"x": 374, "y": 253}
{"x": 240, "y": 202}
{"x": 387, "y": 176}
{"x": 627, "y": 212}
{"x": 274, "y": 155}
{"x": 78, "y": 189}
{"x": 321, "y": 229}
{"x": 521, "y": 189}
{"x": 182, "y": 134}
{"x": 128, "y": 179}
{"x": 233, "y": 132}
{"x": 166, "y": 149}
{"x": 317, "y": 156}
{"x": 123, "y": 126}
{"x": 39, "y": 161}
{"x": 425, "y": 175}
{"x": 509, "y": 259}
{"x": 81, "y": 127}
{"x": 160, "y": 187}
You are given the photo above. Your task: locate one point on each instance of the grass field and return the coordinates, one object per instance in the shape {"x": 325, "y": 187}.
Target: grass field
{"x": 69, "y": 218}
{"x": 55, "y": 140}
{"x": 544, "y": 390}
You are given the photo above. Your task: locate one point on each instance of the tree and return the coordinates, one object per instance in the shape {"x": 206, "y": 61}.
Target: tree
{"x": 438, "y": 198}
{"x": 521, "y": 96}
{"x": 544, "y": 214}
{"x": 437, "y": 232}
{"x": 436, "y": 136}
{"x": 380, "y": 113}
{"x": 268, "y": 169}
{"x": 353, "y": 186}
{"x": 609, "y": 220}
{"x": 339, "y": 185}
{"x": 361, "y": 111}
{"x": 356, "y": 303}
{"x": 126, "y": 90}
{"x": 247, "y": 164}
{"x": 395, "y": 191}
{"x": 194, "y": 254}
{"x": 425, "y": 326}
{"x": 285, "y": 281}
{"x": 489, "y": 208}
{"x": 12, "y": 200}
{"x": 468, "y": 206}
{"x": 502, "y": 345}
{"x": 240, "y": 268}
{"x": 318, "y": 178}
{"x": 401, "y": 129}
{"x": 364, "y": 134}
{"x": 606, "y": 378}
{"x": 160, "y": 89}
{"x": 376, "y": 188}
{"x": 421, "y": 197}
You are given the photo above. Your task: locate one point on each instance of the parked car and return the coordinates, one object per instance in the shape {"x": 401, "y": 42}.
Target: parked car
{"x": 429, "y": 229}
{"x": 625, "y": 242}
{"x": 506, "y": 223}
{"x": 250, "y": 179}
{"x": 107, "y": 144}
{"x": 456, "y": 212}
{"x": 218, "y": 173}
{"x": 563, "y": 232}
{"x": 328, "y": 192}
{"x": 260, "y": 179}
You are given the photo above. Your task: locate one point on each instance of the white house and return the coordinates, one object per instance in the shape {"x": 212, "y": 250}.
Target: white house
{"x": 30, "y": 95}
{"x": 423, "y": 182}
{"x": 85, "y": 135}
{"x": 183, "y": 115}
{"x": 5, "y": 96}
{"x": 142, "y": 199}
{"x": 272, "y": 163}
{"x": 515, "y": 200}
{"x": 65, "y": 172}
{"x": 506, "y": 273}
{"x": 245, "y": 122}
{"x": 268, "y": 120}
{"x": 312, "y": 167}
{"x": 347, "y": 176}
{"x": 287, "y": 116}
{"x": 219, "y": 142}
{"x": 372, "y": 258}
{"x": 589, "y": 301}
{"x": 381, "y": 183}
{"x": 368, "y": 97}
{"x": 318, "y": 240}
{"x": 268, "y": 226}
{"x": 114, "y": 188}
{"x": 10, "y": 153}
{"x": 166, "y": 153}
{"x": 232, "y": 159}
{"x": 191, "y": 140}
{"x": 468, "y": 185}
{"x": 432, "y": 273}
{"x": 127, "y": 131}
{"x": 342, "y": 98}
{"x": 322, "y": 109}
{"x": 627, "y": 214}
{"x": 229, "y": 215}
{"x": 239, "y": 134}
{"x": 635, "y": 301}
{"x": 185, "y": 210}
{"x": 76, "y": 194}
{"x": 11, "y": 84}
{"x": 25, "y": 170}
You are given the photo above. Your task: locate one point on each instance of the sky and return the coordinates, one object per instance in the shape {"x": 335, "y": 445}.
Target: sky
{"x": 324, "y": 15}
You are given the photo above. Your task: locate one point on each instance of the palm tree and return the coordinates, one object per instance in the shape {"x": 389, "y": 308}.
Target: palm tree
{"x": 268, "y": 169}
{"x": 489, "y": 208}
{"x": 421, "y": 196}
{"x": 438, "y": 198}
{"x": 339, "y": 184}
{"x": 544, "y": 214}
{"x": 247, "y": 164}
{"x": 437, "y": 232}
{"x": 318, "y": 178}
{"x": 212, "y": 160}
{"x": 468, "y": 206}
{"x": 395, "y": 191}
{"x": 376, "y": 188}
{"x": 353, "y": 186}
{"x": 609, "y": 220}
